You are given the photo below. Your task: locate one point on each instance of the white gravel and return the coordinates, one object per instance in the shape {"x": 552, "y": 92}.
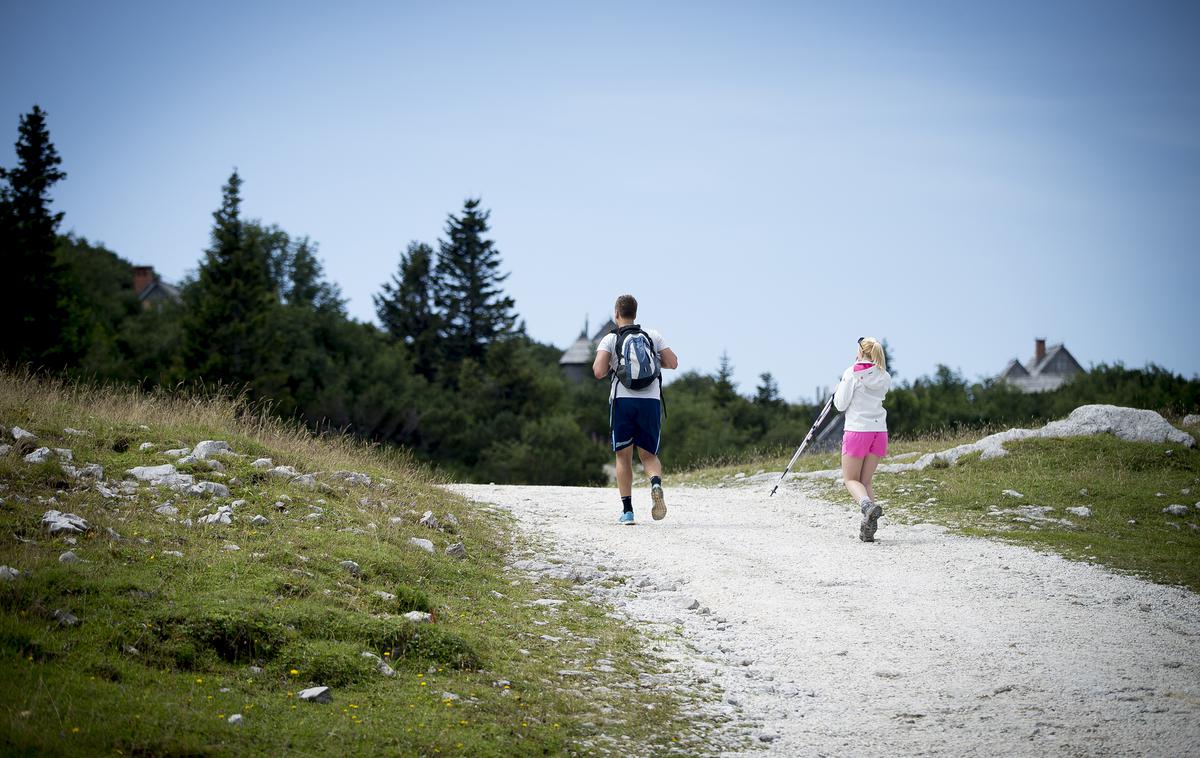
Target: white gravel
{"x": 922, "y": 643}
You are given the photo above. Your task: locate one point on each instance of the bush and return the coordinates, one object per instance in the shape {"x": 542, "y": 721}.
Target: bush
{"x": 328, "y": 663}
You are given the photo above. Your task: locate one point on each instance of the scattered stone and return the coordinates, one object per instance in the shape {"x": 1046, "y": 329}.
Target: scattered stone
{"x": 1012, "y": 493}
{"x": 112, "y": 534}
{"x": 41, "y": 455}
{"x": 263, "y": 463}
{"x": 177, "y": 452}
{"x": 237, "y": 504}
{"x": 4, "y": 448}
{"x": 130, "y": 650}
{"x": 64, "y": 523}
{"x": 173, "y": 553}
{"x": 66, "y": 618}
{"x": 689, "y": 603}
{"x": 223, "y": 516}
{"x": 429, "y": 520}
{"x": 425, "y": 545}
{"x": 75, "y": 432}
{"x": 91, "y": 471}
{"x": 316, "y": 695}
{"x": 380, "y": 665}
{"x": 1081, "y": 511}
{"x": 236, "y": 719}
{"x": 450, "y": 522}
{"x": 395, "y": 520}
{"x": 152, "y": 473}
{"x": 255, "y": 670}
{"x": 146, "y": 446}
{"x": 305, "y": 480}
{"x": 352, "y": 567}
{"x": 260, "y": 520}
{"x": 282, "y": 472}
{"x": 209, "y": 448}
{"x": 385, "y": 595}
{"x": 450, "y": 696}
{"x": 457, "y": 550}
{"x": 208, "y": 488}
{"x": 64, "y": 453}
{"x": 546, "y": 602}
{"x": 231, "y": 548}
{"x": 68, "y": 557}
{"x": 1176, "y": 510}
{"x": 105, "y": 491}
{"x": 418, "y": 617}
{"x": 8, "y": 573}
{"x": 352, "y": 477}
{"x": 20, "y": 434}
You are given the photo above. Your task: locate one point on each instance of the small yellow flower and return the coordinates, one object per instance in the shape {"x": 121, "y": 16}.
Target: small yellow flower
{"x": 352, "y": 705}
{"x": 423, "y": 684}
{"x": 200, "y": 680}
{"x": 74, "y": 730}
{"x": 294, "y": 672}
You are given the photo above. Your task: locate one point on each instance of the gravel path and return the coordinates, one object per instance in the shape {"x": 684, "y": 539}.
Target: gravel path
{"x": 922, "y": 643}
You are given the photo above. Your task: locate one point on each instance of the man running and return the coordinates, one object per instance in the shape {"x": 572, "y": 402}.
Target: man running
{"x": 634, "y": 357}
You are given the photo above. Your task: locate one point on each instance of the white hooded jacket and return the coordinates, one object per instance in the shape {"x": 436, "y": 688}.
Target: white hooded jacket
{"x": 860, "y": 395}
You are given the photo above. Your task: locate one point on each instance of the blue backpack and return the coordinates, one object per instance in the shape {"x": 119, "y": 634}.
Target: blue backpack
{"x": 637, "y": 362}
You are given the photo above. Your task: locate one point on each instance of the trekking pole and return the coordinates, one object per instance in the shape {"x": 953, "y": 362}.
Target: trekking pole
{"x": 807, "y": 438}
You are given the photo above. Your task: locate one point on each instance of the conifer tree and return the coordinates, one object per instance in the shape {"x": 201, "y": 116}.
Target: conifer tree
{"x": 473, "y": 308}
{"x": 226, "y": 325}
{"x": 405, "y": 307}
{"x": 724, "y": 386}
{"x": 34, "y": 306}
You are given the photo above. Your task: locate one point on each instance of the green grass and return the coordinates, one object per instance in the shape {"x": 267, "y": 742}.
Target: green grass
{"x": 1127, "y": 530}
{"x": 167, "y": 647}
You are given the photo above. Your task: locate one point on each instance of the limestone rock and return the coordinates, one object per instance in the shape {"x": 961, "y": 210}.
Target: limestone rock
{"x": 152, "y": 473}
{"x": 260, "y": 520}
{"x": 305, "y": 480}
{"x": 68, "y": 557}
{"x": 57, "y": 522}
{"x": 425, "y": 545}
{"x": 1176, "y": 510}
{"x": 223, "y": 516}
{"x": 64, "y": 453}
{"x": 8, "y": 573}
{"x": 41, "y": 455}
{"x": 262, "y": 463}
{"x": 91, "y": 471}
{"x": 1011, "y": 493}
{"x": 450, "y": 522}
{"x": 20, "y": 434}
{"x": 209, "y": 448}
{"x": 208, "y": 488}
{"x": 236, "y": 719}
{"x": 352, "y": 567}
{"x": 418, "y": 617}
{"x": 282, "y": 472}
{"x": 689, "y": 603}
{"x": 316, "y": 695}
{"x": 429, "y": 520}
{"x": 385, "y": 595}
{"x": 66, "y": 618}
{"x": 177, "y": 452}
{"x": 1081, "y": 511}
{"x": 146, "y": 446}
{"x": 457, "y": 550}
{"x": 352, "y": 477}
{"x": 4, "y": 448}
{"x": 75, "y": 432}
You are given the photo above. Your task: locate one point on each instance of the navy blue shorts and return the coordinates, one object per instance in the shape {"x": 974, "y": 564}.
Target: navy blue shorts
{"x": 636, "y": 421}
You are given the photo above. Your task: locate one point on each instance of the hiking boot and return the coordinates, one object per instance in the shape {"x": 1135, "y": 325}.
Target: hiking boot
{"x": 626, "y": 518}
{"x": 870, "y": 521}
{"x": 659, "y": 511}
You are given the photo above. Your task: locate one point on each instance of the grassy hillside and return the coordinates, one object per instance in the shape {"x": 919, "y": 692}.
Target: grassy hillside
{"x": 160, "y": 632}
{"x": 1125, "y": 485}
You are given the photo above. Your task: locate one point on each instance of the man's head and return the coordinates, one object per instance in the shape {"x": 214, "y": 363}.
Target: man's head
{"x": 626, "y": 309}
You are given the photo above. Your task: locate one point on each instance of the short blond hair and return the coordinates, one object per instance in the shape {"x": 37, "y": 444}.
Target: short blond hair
{"x": 873, "y": 350}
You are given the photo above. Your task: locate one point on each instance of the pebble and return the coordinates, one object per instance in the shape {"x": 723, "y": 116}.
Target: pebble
{"x": 20, "y": 434}
{"x": 236, "y": 719}
{"x": 418, "y": 617}
{"x": 68, "y": 557}
{"x": 260, "y": 520}
{"x": 66, "y": 618}
{"x": 41, "y": 455}
{"x": 263, "y": 463}
{"x": 689, "y": 603}
{"x": 385, "y": 595}
{"x": 1176, "y": 510}
{"x": 1012, "y": 493}
{"x": 457, "y": 550}
{"x": 8, "y": 573}
{"x": 352, "y": 567}
{"x": 429, "y": 520}
{"x": 166, "y": 509}
{"x": 231, "y": 548}
{"x": 1082, "y": 511}
{"x": 173, "y": 553}
{"x": 146, "y": 446}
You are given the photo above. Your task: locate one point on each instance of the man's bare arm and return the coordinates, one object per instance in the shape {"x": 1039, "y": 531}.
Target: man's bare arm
{"x": 669, "y": 359}
{"x": 601, "y": 364}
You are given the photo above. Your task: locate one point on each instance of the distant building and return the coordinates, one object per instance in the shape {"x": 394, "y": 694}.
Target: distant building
{"x": 1047, "y": 370}
{"x": 576, "y": 360}
{"x": 151, "y": 290}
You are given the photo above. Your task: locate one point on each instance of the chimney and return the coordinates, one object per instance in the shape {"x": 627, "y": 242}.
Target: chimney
{"x": 143, "y": 277}
{"x": 1039, "y": 350}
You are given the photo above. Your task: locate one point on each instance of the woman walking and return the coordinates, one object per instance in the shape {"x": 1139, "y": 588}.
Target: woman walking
{"x": 860, "y": 395}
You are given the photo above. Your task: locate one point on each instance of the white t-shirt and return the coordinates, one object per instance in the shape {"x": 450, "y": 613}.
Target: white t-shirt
{"x": 609, "y": 344}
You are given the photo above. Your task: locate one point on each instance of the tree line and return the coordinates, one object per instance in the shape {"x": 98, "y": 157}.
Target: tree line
{"x": 448, "y": 372}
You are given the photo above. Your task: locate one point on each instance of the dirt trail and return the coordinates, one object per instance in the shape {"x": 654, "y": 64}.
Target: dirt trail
{"x": 924, "y": 642}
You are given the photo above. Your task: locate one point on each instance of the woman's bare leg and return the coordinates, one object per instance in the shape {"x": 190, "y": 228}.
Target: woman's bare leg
{"x": 852, "y": 469}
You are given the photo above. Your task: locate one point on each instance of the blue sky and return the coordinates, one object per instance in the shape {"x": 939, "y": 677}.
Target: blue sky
{"x": 770, "y": 179}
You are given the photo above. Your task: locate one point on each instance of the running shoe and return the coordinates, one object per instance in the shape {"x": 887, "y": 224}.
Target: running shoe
{"x": 626, "y": 518}
{"x": 659, "y": 511}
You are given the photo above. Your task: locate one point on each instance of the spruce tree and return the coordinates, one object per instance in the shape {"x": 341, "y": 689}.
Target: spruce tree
{"x": 405, "y": 307}
{"x": 35, "y": 313}
{"x": 226, "y": 326}
{"x": 767, "y": 393}
{"x": 725, "y": 389}
{"x": 474, "y": 310}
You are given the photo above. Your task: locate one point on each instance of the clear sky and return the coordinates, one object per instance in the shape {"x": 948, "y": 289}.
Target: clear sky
{"x": 770, "y": 179}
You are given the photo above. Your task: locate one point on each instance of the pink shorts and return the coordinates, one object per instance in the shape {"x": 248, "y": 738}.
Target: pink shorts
{"x": 862, "y": 444}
